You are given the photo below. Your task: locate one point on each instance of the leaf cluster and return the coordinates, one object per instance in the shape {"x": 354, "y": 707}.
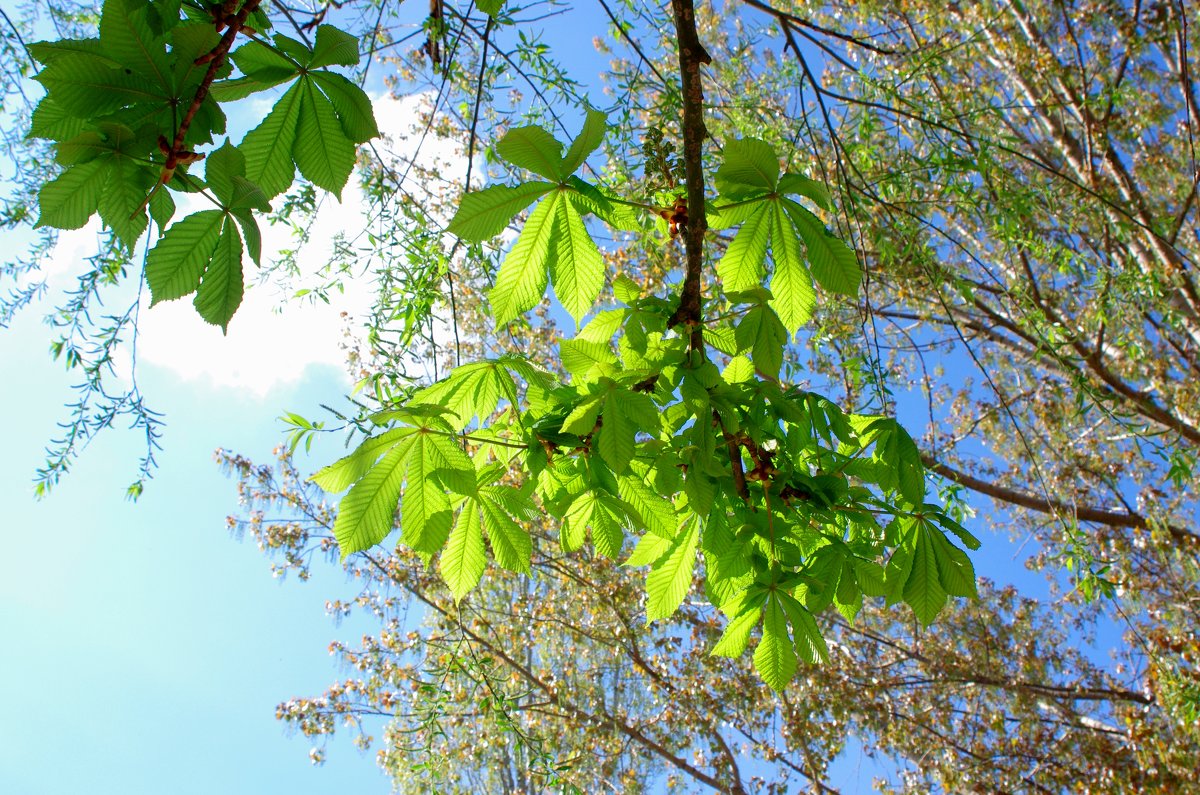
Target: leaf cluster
{"x": 645, "y": 446}
{"x": 130, "y": 111}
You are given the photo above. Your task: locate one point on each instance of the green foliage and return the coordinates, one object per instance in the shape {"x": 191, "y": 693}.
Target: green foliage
{"x": 130, "y": 111}
{"x": 647, "y": 440}
{"x": 678, "y": 443}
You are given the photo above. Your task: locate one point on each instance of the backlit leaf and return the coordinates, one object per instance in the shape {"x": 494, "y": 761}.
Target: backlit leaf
{"x": 522, "y": 279}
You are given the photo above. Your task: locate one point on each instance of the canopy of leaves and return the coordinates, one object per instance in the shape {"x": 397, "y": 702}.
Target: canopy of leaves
{"x": 1001, "y": 193}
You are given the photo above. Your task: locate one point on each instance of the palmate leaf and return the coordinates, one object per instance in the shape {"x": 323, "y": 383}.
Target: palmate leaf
{"x": 188, "y": 43}
{"x": 670, "y": 576}
{"x": 510, "y": 542}
{"x": 50, "y": 120}
{"x": 750, "y": 168}
{"x": 623, "y": 415}
{"x": 333, "y": 46}
{"x": 268, "y": 147}
{"x": 415, "y": 459}
{"x": 522, "y": 279}
{"x": 923, "y": 589}
{"x": 577, "y": 269}
{"x": 174, "y": 266}
{"x": 955, "y": 571}
{"x": 352, "y": 106}
{"x": 800, "y": 185}
{"x": 654, "y": 513}
{"x": 366, "y": 515}
{"x": 127, "y": 38}
{"x": 741, "y": 267}
{"x": 343, "y": 473}
{"x": 775, "y": 657}
{"x": 833, "y": 263}
{"x": 483, "y": 214}
{"x": 650, "y": 548}
{"x": 792, "y": 288}
{"x": 603, "y": 514}
{"x": 264, "y": 64}
{"x": 899, "y": 454}
{"x": 588, "y": 140}
{"x": 424, "y": 507}
{"x": 323, "y": 153}
{"x": 587, "y": 360}
{"x": 736, "y": 635}
{"x": 587, "y": 198}
{"x": 90, "y": 86}
{"x": 464, "y": 558}
{"x": 105, "y": 172}
{"x": 201, "y": 253}
{"x": 221, "y": 287}
{"x": 70, "y": 200}
{"x": 472, "y": 391}
{"x": 761, "y": 332}
{"x": 808, "y": 639}
{"x": 534, "y": 149}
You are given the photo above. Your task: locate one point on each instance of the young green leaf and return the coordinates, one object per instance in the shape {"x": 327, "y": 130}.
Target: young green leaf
{"x": 750, "y": 168}
{"x": 800, "y": 185}
{"x": 833, "y": 262}
{"x": 264, "y": 64}
{"x": 670, "y": 576}
{"x": 741, "y": 267}
{"x": 344, "y": 472}
{"x": 577, "y": 268}
{"x": 624, "y": 414}
{"x": 737, "y": 632}
{"x": 127, "y": 38}
{"x": 650, "y": 548}
{"x": 174, "y": 266}
{"x": 353, "y": 107}
{"x": 510, "y": 542}
{"x": 588, "y": 140}
{"x": 587, "y": 198}
{"x": 522, "y": 279}
{"x": 923, "y": 590}
{"x": 268, "y": 147}
{"x": 809, "y": 641}
{"x": 791, "y": 284}
{"x": 534, "y": 149}
{"x": 761, "y": 332}
{"x": 464, "y": 558}
{"x": 334, "y": 46}
{"x": 775, "y": 657}
{"x": 483, "y": 214}
{"x": 366, "y": 515}
{"x": 69, "y": 201}
{"x": 471, "y": 391}
{"x": 220, "y": 291}
{"x": 656, "y": 514}
{"x": 322, "y": 152}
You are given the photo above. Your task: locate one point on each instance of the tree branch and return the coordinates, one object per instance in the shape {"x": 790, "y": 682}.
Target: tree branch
{"x": 691, "y": 56}
{"x": 1052, "y": 506}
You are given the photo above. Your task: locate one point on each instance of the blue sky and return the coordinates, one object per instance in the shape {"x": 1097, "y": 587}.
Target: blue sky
{"x": 146, "y": 649}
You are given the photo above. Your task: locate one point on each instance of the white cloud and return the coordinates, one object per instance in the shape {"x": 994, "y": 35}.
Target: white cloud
{"x": 271, "y": 342}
